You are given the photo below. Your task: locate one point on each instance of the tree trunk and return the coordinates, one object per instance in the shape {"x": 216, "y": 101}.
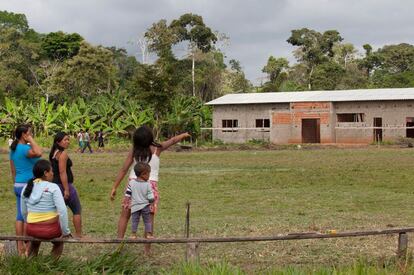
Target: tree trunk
{"x": 193, "y": 71}
{"x": 310, "y": 78}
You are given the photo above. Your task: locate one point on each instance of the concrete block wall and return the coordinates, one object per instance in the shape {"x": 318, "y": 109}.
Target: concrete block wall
{"x": 286, "y": 119}
{"x": 393, "y": 113}
{"x": 246, "y": 114}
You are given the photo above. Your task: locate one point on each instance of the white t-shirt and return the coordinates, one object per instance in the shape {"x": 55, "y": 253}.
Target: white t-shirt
{"x": 80, "y": 137}
{"x": 154, "y": 163}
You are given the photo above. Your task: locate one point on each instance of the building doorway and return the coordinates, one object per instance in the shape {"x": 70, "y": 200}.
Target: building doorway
{"x": 311, "y": 131}
{"x": 410, "y": 123}
{"x": 378, "y": 131}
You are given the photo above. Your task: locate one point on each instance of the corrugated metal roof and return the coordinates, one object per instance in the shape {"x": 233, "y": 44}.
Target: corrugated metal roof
{"x": 316, "y": 96}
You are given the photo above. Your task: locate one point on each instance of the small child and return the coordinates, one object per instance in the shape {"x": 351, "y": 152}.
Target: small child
{"x": 140, "y": 194}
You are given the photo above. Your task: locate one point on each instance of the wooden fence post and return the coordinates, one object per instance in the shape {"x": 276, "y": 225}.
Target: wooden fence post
{"x": 192, "y": 254}
{"x": 402, "y": 245}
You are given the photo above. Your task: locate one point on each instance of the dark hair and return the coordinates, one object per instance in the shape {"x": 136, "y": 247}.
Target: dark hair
{"x": 141, "y": 167}
{"x": 58, "y": 138}
{"x": 39, "y": 169}
{"x": 143, "y": 138}
{"x": 18, "y": 133}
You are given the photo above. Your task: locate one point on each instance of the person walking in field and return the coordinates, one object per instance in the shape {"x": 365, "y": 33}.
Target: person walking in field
{"x": 24, "y": 153}
{"x": 87, "y": 141}
{"x": 140, "y": 194}
{"x": 44, "y": 209}
{"x": 80, "y": 140}
{"x": 144, "y": 149}
{"x": 63, "y": 177}
{"x": 100, "y": 137}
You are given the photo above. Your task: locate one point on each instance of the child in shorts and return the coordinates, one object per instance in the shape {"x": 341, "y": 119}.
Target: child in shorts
{"x": 140, "y": 195}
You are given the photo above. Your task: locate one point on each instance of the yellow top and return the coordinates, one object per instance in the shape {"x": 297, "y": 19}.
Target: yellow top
{"x": 33, "y": 217}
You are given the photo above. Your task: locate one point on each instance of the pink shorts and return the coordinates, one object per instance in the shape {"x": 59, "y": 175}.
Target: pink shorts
{"x": 154, "y": 205}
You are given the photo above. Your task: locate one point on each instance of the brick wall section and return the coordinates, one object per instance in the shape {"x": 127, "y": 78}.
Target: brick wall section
{"x": 311, "y": 106}
{"x": 281, "y": 118}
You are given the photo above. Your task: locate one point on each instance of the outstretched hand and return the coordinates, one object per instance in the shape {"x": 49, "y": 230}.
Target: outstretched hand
{"x": 113, "y": 194}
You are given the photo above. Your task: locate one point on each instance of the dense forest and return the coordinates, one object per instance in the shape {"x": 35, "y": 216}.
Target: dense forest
{"x": 59, "y": 81}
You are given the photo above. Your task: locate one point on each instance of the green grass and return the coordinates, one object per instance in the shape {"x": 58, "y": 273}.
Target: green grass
{"x": 251, "y": 193}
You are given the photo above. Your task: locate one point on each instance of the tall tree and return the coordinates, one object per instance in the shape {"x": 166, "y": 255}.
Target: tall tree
{"x": 191, "y": 28}
{"x": 314, "y": 48}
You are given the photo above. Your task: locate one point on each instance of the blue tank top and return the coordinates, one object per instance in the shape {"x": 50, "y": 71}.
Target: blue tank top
{"x": 22, "y": 164}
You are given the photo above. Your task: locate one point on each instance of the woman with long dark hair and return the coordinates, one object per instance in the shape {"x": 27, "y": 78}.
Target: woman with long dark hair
{"x": 63, "y": 177}
{"x": 144, "y": 149}
{"x": 24, "y": 153}
{"x": 44, "y": 209}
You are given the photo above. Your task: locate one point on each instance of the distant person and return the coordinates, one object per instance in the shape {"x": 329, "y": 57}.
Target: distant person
{"x": 144, "y": 149}
{"x": 80, "y": 140}
{"x": 44, "y": 209}
{"x": 24, "y": 153}
{"x": 10, "y": 141}
{"x": 87, "y": 141}
{"x": 100, "y": 137}
{"x": 63, "y": 177}
{"x": 140, "y": 193}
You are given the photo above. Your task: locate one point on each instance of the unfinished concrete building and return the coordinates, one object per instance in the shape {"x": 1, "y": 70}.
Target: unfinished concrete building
{"x": 349, "y": 116}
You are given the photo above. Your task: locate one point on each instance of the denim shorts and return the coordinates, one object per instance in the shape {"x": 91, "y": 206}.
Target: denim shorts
{"x": 18, "y": 188}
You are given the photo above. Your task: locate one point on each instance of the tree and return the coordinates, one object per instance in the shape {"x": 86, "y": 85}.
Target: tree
{"x": 274, "y": 67}
{"x": 392, "y": 66}
{"x": 276, "y": 70}
{"x": 126, "y": 67}
{"x": 235, "y": 79}
{"x": 235, "y": 65}
{"x": 344, "y": 54}
{"x": 369, "y": 62}
{"x": 397, "y": 58}
{"x": 161, "y": 38}
{"x": 60, "y": 46}
{"x": 327, "y": 76}
{"x": 314, "y": 48}
{"x": 16, "y": 21}
{"x": 17, "y": 56}
{"x": 87, "y": 74}
{"x": 190, "y": 27}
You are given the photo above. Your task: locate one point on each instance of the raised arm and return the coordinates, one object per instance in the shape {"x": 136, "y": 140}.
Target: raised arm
{"x": 174, "y": 140}
{"x": 36, "y": 150}
{"x": 121, "y": 174}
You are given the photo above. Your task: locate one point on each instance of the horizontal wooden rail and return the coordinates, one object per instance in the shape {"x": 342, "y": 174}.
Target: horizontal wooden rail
{"x": 280, "y": 237}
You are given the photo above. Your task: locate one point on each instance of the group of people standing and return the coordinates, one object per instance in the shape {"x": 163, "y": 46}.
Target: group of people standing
{"x": 84, "y": 140}
{"x": 44, "y": 188}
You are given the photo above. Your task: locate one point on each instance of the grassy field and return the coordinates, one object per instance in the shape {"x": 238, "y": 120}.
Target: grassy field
{"x": 252, "y": 193}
